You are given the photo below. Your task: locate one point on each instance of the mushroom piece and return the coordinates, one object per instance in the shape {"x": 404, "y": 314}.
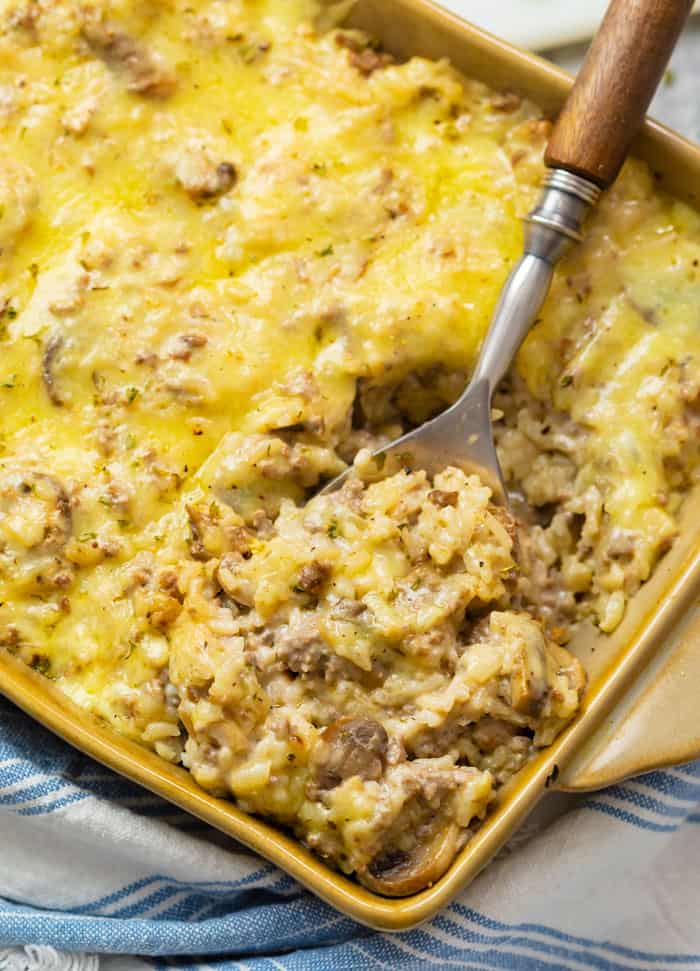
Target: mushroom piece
{"x": 201, "y": 174}
{"x": 36, "y": 510}
{"x": 348, "y": 747}
{"x": 313, "y": 577}
{"x": 60, "y": 520}
{"x": 235, "y": 582}
{"x": 441, "y": 498}
{"x": 216, "y": 182}
{"x": 396, "y": 873}
{"x": 570, "y": 667}
{"x": 35, "y": 526}
{"x": 48, "y": 376}
{"x": 528, "y": 677}
{"x": 145, "y": 71}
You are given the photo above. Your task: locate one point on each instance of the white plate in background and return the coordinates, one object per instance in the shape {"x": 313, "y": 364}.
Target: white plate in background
{"x": 537, "y": 24}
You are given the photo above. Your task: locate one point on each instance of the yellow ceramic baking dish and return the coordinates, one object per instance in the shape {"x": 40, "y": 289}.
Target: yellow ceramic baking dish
{"x": 640, "y": 710}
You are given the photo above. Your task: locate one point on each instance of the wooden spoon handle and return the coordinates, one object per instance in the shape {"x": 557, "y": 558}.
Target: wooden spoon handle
{"x": 609, "y": 100}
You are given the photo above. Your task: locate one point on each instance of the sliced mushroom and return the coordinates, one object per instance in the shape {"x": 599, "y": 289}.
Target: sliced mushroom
{"x": 570, "y": 666}
{"x": 439, "y": 497}
{"x": 528, "y": 678}
{"x": 59, "y": 524}
{"x": 313, "y": 577}
{"x": 348, "y": 747}
{"x": 396, "y": 873}
{"x": 35, "y": 525}
{"x": 41, "y": 502}
{"x": 200, "y": 171}
{"x": 48, "y": 363}
{"x": 145, "y": 71}
{"x": 216, "y": 183}
{"x": 237, "y": 585}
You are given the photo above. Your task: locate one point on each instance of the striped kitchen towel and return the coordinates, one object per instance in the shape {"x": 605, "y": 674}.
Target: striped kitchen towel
{"x": 93, "y": 867}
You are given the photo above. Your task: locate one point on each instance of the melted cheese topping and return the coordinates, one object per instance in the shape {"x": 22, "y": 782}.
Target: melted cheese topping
{"x": 371, "y": 224}
{"x": 618, "y": 348}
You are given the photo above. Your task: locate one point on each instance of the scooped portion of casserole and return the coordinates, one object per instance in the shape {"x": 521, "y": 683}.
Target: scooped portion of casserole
{"x": 239, "y": 244}
{"x": 352, "y": 669}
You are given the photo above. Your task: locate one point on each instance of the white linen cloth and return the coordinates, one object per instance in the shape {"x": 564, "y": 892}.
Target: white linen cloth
{"x": 91, "y": 863}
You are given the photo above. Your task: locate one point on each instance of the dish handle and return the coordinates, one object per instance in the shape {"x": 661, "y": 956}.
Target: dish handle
{"x": 657, "y": 723}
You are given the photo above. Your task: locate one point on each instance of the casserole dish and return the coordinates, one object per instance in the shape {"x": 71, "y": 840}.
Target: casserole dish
{"x": 612, "y": 664}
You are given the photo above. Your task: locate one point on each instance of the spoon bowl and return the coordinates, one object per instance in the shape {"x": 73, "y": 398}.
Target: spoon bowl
{"x": 463, "y": 435}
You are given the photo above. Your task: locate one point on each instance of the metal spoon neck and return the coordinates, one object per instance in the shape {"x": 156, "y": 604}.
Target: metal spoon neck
{"x": 556, "y": 222}
{"x": 553, "y": 226}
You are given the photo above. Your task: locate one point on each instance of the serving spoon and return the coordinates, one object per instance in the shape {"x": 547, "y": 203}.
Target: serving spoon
{"x": 587, "y": 147}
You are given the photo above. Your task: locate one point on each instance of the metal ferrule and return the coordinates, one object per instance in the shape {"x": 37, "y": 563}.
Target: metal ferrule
{"x": 556, "y": 221}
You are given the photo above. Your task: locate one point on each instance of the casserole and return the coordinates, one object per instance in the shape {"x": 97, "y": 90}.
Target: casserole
{"x": 622, "y": 666}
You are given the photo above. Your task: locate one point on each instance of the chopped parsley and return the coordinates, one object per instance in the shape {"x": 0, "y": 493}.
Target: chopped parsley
{"x": 41, "y": 663}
